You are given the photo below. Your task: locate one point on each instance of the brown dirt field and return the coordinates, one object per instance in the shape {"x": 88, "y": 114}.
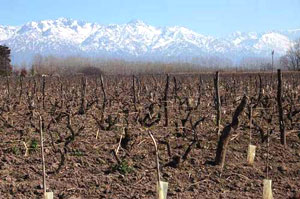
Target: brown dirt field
{"x": 91, "y": 171}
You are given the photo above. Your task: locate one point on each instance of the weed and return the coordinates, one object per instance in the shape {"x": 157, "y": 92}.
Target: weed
{"x": 15, "y": 150}
{"x": 33, "y": 145}
{"x": 123, "y": 168}
{"x": 77, "y": 152}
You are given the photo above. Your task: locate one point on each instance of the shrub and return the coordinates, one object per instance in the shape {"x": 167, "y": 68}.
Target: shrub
{"x": 23, "y": 72}
{"x": 90, "y": 71}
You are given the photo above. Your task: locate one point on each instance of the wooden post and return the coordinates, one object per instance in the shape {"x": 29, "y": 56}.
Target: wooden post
{"x": 43, "y": 157}
{"x": 162, "y": 187}
{"x": 156, "y": 155}
{"x": 133, "y": 91}
{"x": 43, "y": 89}
{"x": 251, "y": 148}
{"x": 82, "y": 108}
{"x": 175, "y": 88}
{"x": 5, "y": 54}
{"x": 21, "y": 88}
{"x": 199, "y": 92}
{"x": 139, "y": 87}
{"x": 250, "y": 123}
{"x": 166, "y": 101}
{"x": 103, "y": 91}
{"x": 280, "y": 110}
{"x": 267, "y": 183}
{"x": 217, "y": 102}
{"x": 47, "y": 195}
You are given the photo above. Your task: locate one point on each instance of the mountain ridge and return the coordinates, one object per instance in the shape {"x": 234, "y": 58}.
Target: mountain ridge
{"x": 136, "y": 40}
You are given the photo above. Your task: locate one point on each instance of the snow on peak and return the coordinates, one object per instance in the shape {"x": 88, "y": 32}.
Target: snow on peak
{"x": 137, "y": 22}
{"x": 136, "y": 38}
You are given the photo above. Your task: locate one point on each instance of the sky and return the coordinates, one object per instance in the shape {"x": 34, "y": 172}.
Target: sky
{"x": 208, "y": 17}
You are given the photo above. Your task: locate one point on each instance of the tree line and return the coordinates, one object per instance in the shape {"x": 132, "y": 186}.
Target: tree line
{"x": 292, "y": 58}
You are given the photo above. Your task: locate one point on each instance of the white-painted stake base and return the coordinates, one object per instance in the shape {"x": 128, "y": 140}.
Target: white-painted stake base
{"x": 267, "y": 192}
{"x": 162, "y": 189}
{"x": 251, "y": 154}
{"x": 49, "y": 195}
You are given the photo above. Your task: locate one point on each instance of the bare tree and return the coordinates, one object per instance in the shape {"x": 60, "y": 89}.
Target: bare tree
{"x": 291, "y": 60}
{"x": 5, "y": 67}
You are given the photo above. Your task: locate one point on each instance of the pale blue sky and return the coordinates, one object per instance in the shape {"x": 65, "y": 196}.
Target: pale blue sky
{"x": 214, "y": 17}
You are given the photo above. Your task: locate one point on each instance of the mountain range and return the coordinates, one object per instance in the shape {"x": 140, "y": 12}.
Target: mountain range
{"x": 136, "y": 40}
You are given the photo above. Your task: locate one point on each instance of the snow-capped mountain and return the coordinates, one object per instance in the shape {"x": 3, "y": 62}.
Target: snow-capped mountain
{"x": 136, "y": 40}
